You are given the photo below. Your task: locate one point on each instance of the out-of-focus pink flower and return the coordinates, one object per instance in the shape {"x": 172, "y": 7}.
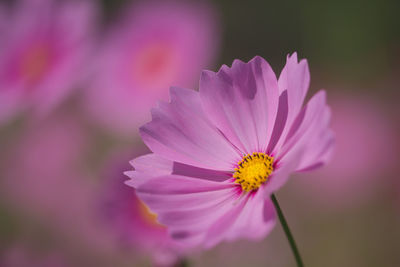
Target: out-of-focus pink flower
{"x": 364, "y": 157}
{"x": 133, "y": 224}
{"x": 43, "y": 45}
{"x": 155, "y": 45}
{"x": 44, "y": 180}
{"x": 220, "y": 153}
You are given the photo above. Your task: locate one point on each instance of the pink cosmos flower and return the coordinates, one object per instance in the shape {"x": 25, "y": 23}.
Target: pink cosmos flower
{"x": 134, "y": 225}
{"x": 219, "y": 153}
{"x": 155, "y": 45}
{"x": 43, "y": 45}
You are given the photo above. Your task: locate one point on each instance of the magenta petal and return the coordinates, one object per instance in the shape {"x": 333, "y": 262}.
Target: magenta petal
{"x": 256, "y": 219}
{"x": 152, "y": 165}
{"x": 293, "y": 86}
{"x": 319, "y": 152}
{"x": 174, "y": 184}
{"x": 180, "y": 131}
{"x": 165, "y": 202}
{"x": 147, "y": 167}
{"x": 311, "y": 124}
{"x": 198, "y": 219}
{"x": 280, "y": 123}
{"x": 242, "y": 101}
{"x": 297, "y": 152}
{"x": 287, "y": 166}
{"x": 188, "y": 206}
{"x": 295, "y": 79}
{"x": 221, "y": 227}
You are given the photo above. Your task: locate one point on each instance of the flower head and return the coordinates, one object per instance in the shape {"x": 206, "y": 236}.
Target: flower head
{"x": 43, "y": 44}
{"x": 155, "y": 45}
{"x": 219, "y": 153}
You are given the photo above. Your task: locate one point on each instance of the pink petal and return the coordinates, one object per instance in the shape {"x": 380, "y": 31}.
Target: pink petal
{"x": 188, "y": 206}
{"x": 287, "y": 166}
{"x": 147, "y": 167}
{"x": 217, "y": 232}
{"x": 311, "y": 124}
{"x": 295, "y": 79}
{"x": 180, "y": 131}
{"x": 280, "y": 123}
{"x": 152, "y": 165}
{"x": 319, "y": 152}
{"x": 185, "y": 202}
{"x": 242, "y": 101}
{"x": 293, "y": 84}
{"x": 298, "y": 152}
{"x": 198, "y": 219}
{"x": 174, "y": 184}
{"x": 256, "y": 219}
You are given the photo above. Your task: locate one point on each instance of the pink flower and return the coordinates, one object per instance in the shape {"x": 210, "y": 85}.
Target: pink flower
{"x": 43, "y": 46}
{"x": 155, "y": 45}
{"x": 42, "y": 178}
{"x": 134, "y": 225}
{"x": 219, "y": 153}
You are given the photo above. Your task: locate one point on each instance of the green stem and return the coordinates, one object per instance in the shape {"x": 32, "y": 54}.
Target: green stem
{"x": 289, "y": 236}
{"x": 183, "y": 262}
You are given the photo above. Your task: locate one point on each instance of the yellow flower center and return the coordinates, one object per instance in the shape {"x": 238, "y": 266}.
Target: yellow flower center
{"x": 253, "y": 170}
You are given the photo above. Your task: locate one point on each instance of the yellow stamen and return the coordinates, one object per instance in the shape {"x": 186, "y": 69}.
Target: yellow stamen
{"x": 148, "y": 215}
{"x": 253, "y": 170}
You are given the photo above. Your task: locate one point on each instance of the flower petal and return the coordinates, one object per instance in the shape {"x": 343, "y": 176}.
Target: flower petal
{"x": 220, "y": 228}
{"x": 147, "y": 167}
{"x": 311, "y": 124}
{"x": 188, "y": 206}
{"x": 280, "y": 176}
{"x": 151, "y": 166}
{"x": 176, "y": 184}
{"x": 242, "y": 101}
{"x": 256, "y": 219}
{"x": 295, "y": 79}
{"x": 298, "y": 152}
{"x": 181, "y": 132}
{"x": 318, "y": 152}
{"x": 293, "y": 85}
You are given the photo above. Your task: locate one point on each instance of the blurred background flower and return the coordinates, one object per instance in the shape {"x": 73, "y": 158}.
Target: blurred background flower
{"x": 151, "y": 46}
{"x": 44, "y": 44}
{"x": 77, "y": 77}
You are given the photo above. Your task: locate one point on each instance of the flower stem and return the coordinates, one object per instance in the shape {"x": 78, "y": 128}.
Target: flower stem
{"x": 289, "y": 236}
{"x": 183, "y": 262}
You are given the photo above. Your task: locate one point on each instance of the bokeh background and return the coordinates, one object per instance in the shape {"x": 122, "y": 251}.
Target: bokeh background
{"x": 77, "y": 79}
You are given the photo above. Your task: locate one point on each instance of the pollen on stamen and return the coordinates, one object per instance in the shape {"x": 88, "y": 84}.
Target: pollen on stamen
{"x": 253, "y": 170}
